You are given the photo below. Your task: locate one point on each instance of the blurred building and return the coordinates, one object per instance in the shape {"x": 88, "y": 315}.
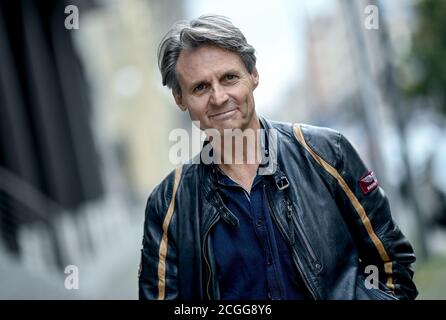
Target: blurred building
{"x": 134, "y": 113}
{"x": 84, "y": 139}
{"x": 353, "y": 82}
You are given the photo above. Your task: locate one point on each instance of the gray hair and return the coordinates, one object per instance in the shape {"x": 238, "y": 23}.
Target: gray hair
{"x": 206, "y": 30}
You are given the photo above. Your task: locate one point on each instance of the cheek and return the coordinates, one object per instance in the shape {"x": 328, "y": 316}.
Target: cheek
{"x": 244, "y": 93}
{"x": 196, "y": 107}
{"x": 194, "y": 115}
{"x": 245, "y": 98}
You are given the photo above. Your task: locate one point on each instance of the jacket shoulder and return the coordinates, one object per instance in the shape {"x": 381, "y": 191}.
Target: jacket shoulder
{"x": 159, "y": 198}
{"x": 162, "y": 194}
{"x": 285, "y": 128}
{"x": 325, "y": 142}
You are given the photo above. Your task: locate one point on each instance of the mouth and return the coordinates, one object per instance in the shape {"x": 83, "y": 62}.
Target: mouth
{"x": 223, "y": 114}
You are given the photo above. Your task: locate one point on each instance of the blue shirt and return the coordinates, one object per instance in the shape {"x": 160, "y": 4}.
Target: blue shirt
{"x": 253, "y": 260}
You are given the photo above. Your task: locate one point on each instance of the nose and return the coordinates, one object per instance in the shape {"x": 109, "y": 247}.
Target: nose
{"x": 219, "y": 95}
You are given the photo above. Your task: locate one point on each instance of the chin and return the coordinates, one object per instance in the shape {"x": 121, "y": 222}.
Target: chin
{"x": 230, "y": 124}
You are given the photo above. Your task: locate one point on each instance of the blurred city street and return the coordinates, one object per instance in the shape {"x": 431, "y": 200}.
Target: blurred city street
{"x": 85, "y": 123}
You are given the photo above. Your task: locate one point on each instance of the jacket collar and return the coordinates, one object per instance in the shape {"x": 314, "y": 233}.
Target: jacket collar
{"x": 271, "y": 167}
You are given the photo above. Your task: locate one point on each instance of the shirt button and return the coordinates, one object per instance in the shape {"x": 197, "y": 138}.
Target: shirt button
{"x": 259, "y": 223}
{"x": 269, "y": 295}
{"x": 269, "y": 261}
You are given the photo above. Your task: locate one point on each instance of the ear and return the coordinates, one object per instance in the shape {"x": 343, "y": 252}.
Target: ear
{"x": 179, "y": 101}
{"x": 255, "y": 77}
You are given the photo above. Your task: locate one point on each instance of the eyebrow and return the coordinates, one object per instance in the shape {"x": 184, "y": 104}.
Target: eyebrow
{"x": 231, "y": 71}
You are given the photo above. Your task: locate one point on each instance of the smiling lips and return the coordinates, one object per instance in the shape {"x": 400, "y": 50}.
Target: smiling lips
{"x": 222, "y": 114}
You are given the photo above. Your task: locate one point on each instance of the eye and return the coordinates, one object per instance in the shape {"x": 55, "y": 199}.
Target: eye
{"x": 200, "y": 87}
{"x": 230, "y": 77}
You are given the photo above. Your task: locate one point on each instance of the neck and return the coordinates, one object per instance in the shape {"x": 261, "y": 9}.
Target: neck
{"x": 239, "y": 152}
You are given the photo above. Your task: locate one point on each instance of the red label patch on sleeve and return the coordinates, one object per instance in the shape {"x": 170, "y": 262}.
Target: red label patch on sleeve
{"x": 368, "y": 183}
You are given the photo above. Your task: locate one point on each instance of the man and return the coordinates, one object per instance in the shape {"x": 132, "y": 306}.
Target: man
{"x": 303, "y": 219}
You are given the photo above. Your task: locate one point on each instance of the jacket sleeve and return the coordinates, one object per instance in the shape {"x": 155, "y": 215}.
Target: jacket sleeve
{"x": 158, "y": 271}
{"x": 379, "y": 240}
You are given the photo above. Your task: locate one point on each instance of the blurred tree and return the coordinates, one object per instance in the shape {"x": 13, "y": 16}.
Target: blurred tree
{"x": 429, "y": 52}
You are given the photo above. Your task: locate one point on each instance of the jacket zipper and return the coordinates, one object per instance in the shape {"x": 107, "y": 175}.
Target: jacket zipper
{"x": 304, "y": 278}
{"x": 301, "y": 234}
{"x": 213, "y": 222}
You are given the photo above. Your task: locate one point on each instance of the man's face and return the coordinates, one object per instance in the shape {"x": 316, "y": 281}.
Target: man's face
{"x": 216, "y": 88}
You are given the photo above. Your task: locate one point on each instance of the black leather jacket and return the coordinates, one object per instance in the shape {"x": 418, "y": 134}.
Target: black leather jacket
{"x": 334, "y": 228}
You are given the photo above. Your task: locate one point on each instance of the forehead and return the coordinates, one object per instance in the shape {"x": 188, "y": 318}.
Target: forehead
{"x": 205, "y": 61}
